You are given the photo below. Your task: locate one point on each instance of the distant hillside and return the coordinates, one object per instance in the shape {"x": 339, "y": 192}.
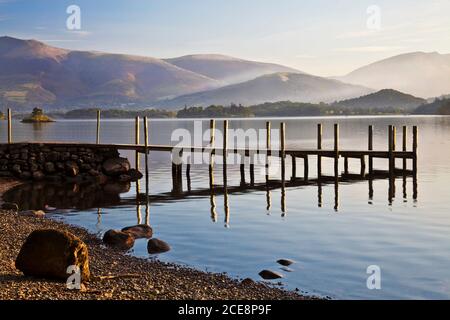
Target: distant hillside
{"x": 228, "y": 70}
{"x": 438, "y": 107}
{"x": 272, "y": 88}
{"x": 420, "y": 74}
{"x": 383, "y": 99}
{"x": 33, "y": 73}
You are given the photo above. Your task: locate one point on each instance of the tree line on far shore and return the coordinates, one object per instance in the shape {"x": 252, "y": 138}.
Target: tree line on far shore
{"x": 268, "y": 109}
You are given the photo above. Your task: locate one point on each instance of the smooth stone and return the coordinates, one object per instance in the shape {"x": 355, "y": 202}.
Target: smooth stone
{"x": 139, "y": 231}
{"x": 285, "y": 262}
{"x": 32, "y": 213}
{"x": 47, "y": 253}
{"x": 270, "y": 275}
{"x": 155, "y": 246}
{"x": 118, "y": 239}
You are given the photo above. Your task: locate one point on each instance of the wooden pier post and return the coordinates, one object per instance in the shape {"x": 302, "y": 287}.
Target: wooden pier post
{"x": 319, "y": 147}
{"x": 212, "y": 141}
{"x": 242, "y": 170}
{"x": 224, "y": 151}
{"x": 370, "y": 148}
{"x": 188, "y": 171}
{"x": 146, "y": 153}
{"x": 336, "y": 150}
{"x": 305, "y": 168}
{"x": 414, "y": 149}
{"x": 147, "y": 204}
{"x": 136, "y": 140}
{"x": 346, "y": 165}
{"x": 294, "y": 167}
{"x": 98, "y": 127}
{"x": 226, "y": 206}
{"x": 283, "y": 150}
{"x": 9, "y": 126}
{"x": 391, "y": 149}
{"x": 404, "y": 136}
{"x": 363, "y": 166}
{"x": 394, "y": 145}
{"x": 268, "y": 146}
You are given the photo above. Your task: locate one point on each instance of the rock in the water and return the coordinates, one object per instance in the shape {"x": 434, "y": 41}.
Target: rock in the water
{"x": 10, "y": 206}
{"x": 270, "y": 275}
{"x": 139, "y": 231}
{"x": 116, "y": 166}
{"x": 285, "y": 262}
{"x": 157, "y": 246}
{"x": 32, "y": 213}
{"x": 118, "y": 239}
{"x": 47, "y": 253}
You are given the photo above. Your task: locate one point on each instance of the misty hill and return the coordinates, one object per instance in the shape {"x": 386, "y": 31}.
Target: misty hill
{"x": 33, "y": 73}
{"x": 272, "y": 88}
{"x": 419, "y": 73}
{"x": 228, "y": 70}
{"x": 383, "y": 99}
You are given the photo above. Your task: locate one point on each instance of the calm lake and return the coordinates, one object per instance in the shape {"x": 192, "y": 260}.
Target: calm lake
{"x": 332, "y": 237}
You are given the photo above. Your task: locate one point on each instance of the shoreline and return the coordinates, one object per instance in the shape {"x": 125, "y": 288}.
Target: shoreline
{"x": 156, "y": 281}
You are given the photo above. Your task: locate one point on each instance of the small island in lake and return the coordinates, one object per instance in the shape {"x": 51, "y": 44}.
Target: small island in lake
{"x": 37, "y": 116}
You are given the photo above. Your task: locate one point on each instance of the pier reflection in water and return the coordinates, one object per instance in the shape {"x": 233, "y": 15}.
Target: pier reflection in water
{"x": 83, "y": 196}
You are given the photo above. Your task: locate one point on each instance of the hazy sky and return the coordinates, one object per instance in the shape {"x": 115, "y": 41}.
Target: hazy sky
{"x": 323, "y": 37}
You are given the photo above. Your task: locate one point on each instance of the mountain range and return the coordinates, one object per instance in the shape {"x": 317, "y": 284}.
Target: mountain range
{"x": 35, "y": 74}
{"x": 271, "y": 88}
{"x": 418, "y": 73}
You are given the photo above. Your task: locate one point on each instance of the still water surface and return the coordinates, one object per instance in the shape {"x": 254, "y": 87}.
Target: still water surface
{"x": 409, "y": 239}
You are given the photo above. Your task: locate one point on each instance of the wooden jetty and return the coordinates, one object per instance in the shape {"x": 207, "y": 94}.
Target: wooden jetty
{"x": 390, "y": 153}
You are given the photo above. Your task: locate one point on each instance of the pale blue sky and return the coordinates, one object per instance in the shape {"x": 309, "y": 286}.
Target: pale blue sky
{"x": 323, "y": 37}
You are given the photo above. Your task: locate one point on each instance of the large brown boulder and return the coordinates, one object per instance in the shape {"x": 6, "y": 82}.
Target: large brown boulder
{"x": 47, "y": 253}
{"x": 116, "y": 166}
{"x": 118, "y": 239}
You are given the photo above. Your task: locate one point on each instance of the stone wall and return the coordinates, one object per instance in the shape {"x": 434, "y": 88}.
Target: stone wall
{"x": 63, "y": 163}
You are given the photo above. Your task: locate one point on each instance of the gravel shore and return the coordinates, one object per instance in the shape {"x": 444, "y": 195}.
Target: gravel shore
{"x": 155, "y": 280}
